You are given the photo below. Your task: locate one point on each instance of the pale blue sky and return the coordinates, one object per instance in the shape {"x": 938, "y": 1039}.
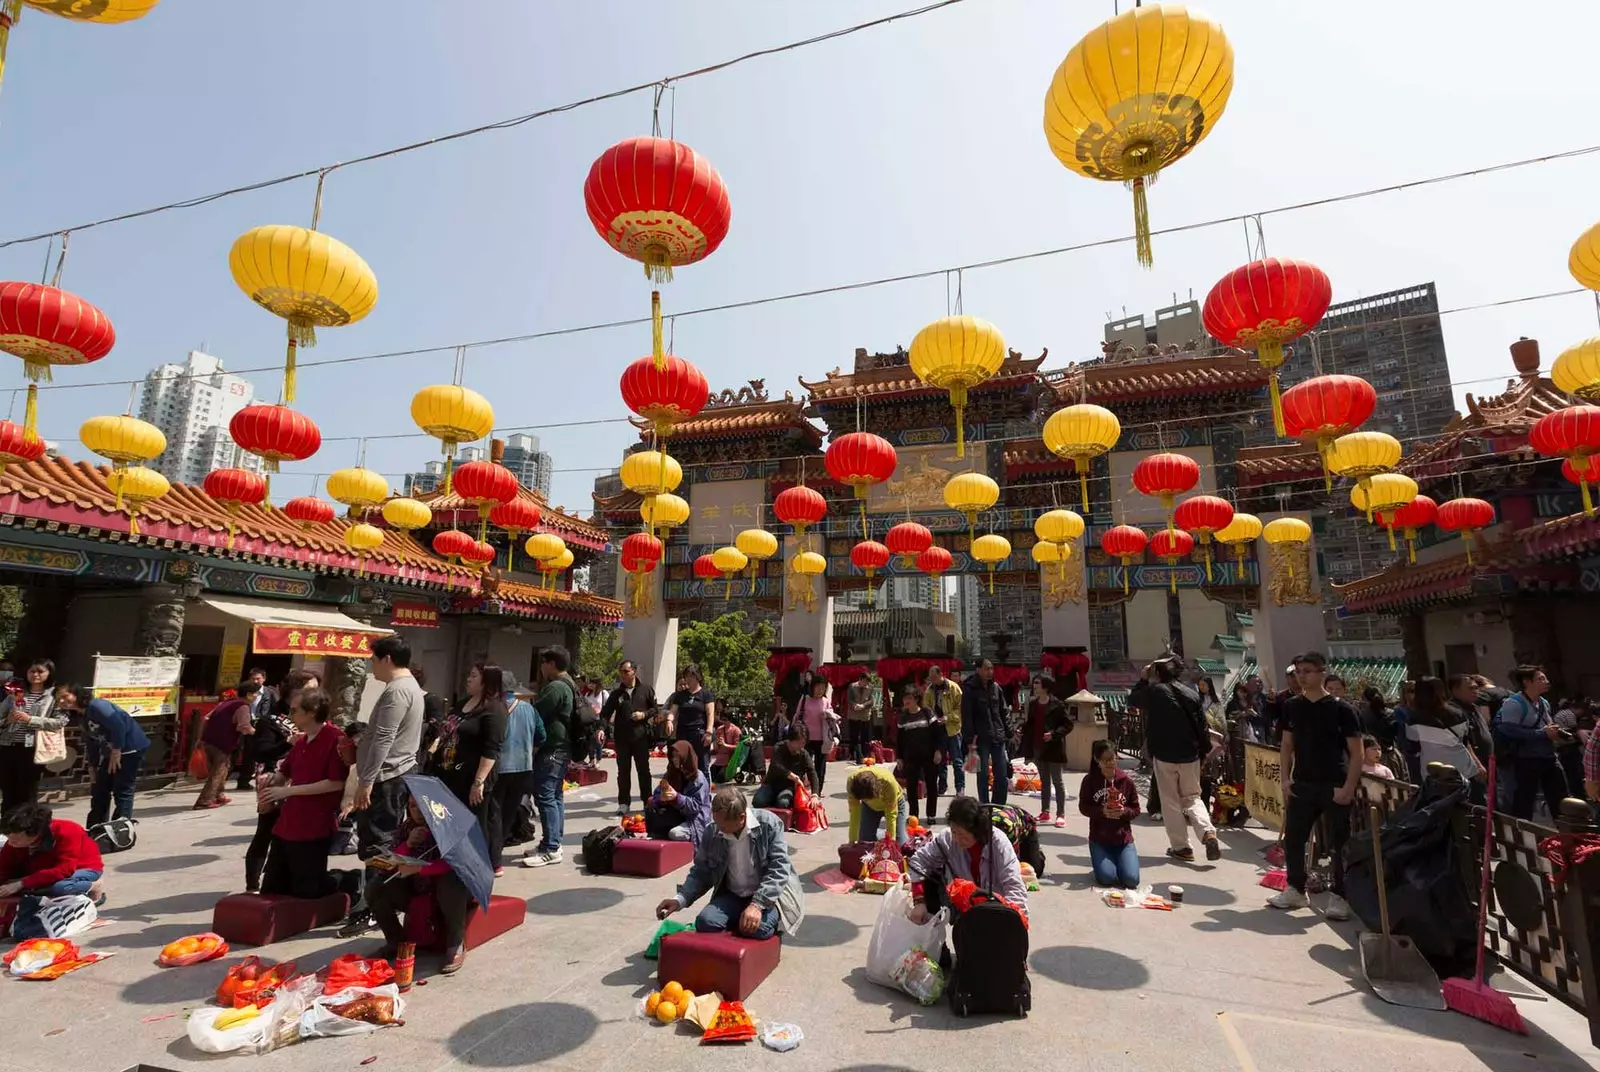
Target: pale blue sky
{"x": 904, "y": 148}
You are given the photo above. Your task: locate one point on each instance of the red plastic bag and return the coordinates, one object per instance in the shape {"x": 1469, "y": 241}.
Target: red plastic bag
{"x": 193, "y": 949}
{"x": 36, "y": 954}
{"x": 199, "y": 768}
{"x": 351, "y": 970}
{"x": 805, "y": 822}
{"x": 252, "y": 981}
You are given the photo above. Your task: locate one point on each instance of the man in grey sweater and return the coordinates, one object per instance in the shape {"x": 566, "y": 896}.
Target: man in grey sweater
{"x": 386, "y": 753}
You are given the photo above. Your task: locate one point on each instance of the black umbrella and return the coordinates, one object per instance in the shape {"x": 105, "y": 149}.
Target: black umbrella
{"x": 456, "y": 834}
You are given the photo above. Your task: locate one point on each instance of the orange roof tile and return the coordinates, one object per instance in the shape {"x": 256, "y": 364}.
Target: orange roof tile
{"x": 716, "y": 422}
{"x": 897, "y": 380}
{"x": 551, "y": 519}
{"x": 1110, "y": 380}
{"x": 1276, "y": 463}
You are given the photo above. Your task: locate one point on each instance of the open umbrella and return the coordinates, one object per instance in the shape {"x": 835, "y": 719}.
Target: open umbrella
{"x": 456, "y": 835}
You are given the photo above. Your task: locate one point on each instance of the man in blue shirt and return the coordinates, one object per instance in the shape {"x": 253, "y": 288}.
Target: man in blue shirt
{"x": 1525, "y": 731}
{"x": 116, "y": 747}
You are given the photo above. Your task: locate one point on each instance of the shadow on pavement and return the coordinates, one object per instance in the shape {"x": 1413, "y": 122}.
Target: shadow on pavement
{"x": 1258, "y": 920}
{"x": 1205, "y": 896}
{"x": 148, "y": 911}
{"x": 157, "y": 864}
{"x": 224, "y": 840}
{"x": 904, "y": 1011}
{"x": 522, "y": 1035}
{"x": 817, "y": 932}
{"x": 575, "y": 901}
{"x": 637, "y": 973}
{"x": 1089, "y": 969}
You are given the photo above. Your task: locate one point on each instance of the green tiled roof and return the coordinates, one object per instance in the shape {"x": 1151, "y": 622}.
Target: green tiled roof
{"x": 1385, "y": 675}
{"x": 1211, "y": 666}
{"x": 1227, "y": 642}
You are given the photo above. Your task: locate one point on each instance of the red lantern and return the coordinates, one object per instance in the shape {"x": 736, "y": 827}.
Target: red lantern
{"x": 665, "y": 395}
{"x": 234, "y": 489}
{"x": 705, "y": 568}
{"x": 1588, "y": 475}
{"x": 275, "y": 434}
{"x": 308, "y": 510}
{"x": 1408, "y": 519}
{"x": 1572, "y": 433}
{"x": 45, "y": 326}
{"x": 800, "y": 506}
{"x": 860, "y": 459}
{"x": 1466, "y": 516}
{"x": 517, "y": 516}
{"x": 477, "y": 553}
{"x": 17, "y": 444}
{"x": 1263, "y": 305}
{"x": 935, "y": 561}
{"x": 869, "y": 556}
{"x": 453, "y": 545}
{"x": 1126, "y": 543}
{"x": 908, "y": 540}
{"x": 641, "y": 552}
{"x": 1203, "y": 515}
{"x": 1171, "y": 546}
{"x": 1166, "y": 476}
{"x": 485, "y": 485}
{"x": 1324, "y": 408}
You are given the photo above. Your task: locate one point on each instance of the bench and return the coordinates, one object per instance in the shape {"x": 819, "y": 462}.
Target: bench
{"x": 650, "y": 857}
{"x": 422, "y": 921}
{"x": 725, "y": 963}
{"x": 587, "y": 775}
{"x": 264, "y": 918}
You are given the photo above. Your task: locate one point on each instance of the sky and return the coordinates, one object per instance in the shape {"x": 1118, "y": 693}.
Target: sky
{"x": 905, "y": 148}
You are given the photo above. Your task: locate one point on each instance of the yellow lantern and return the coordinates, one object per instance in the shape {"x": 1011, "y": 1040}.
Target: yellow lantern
{"x": 991, "y": 550}
{"x": 1136, "y": 95}
{"x": 729, "y": 561}
{"x": 757, "y": 545}
{"x": 100, "y": 11}
{"x": 1289, "y": 532}
{"x": 971, "y": 493}
{"x": 407, "y": 514}
{"x": 362, "y": 539}
{"x": 1584, "y": 260}
{"x": 1058, "y": 527}
{"x": 1577, "y": 370}
{"x": 1082, "y": 433}
{"x": 663, "y": 513}
{"x": 358, "y": 488}
{"x": 305, "y": 277}
{"x": 1383, "y": 494}
{"x": 550, "y": 567}
{"x": 134, "y": 486}
{"x": 1051, "y": 554}
{"x": 956, "y": 353}
{"x": 1239, "y": 533}
{"x": 453, "y": 415}
{"x": 122, "y": 440}
{"x": 545, "y": 546}
{"x": 1360, "y": 455}
{"x": 811, "y": 565}
{"x": 651, "y": 472}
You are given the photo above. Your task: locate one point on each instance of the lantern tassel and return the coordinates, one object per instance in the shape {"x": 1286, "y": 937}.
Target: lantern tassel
{"x": 449, "y": 465}
{"x": 1277, "y": 409}
{"x": 1466, "y": 535}
{"x": 10, "y": 11}
{"x": 1172, "y": 578}
{"x": 133, "y": 520}
{"x": 1391, "y": 538}
{"x": 30, "y": 413}
{"x": 728, "y": 592}
{"x": 1411, "y": 546}
{"x": 657, "y": 349}
{"x": 862, "y": 492}
{"x": 1588, "y": 503}
{"x": 1141, "y": 224}
{"x": 869, "y": 589}
{"x": 1208, "y": 563}
{"x": 1327, "y": 474}
{"x": 289, "y": 368}
{"x": 991, "y": 580}
{"x": 1124, "y": 576}
{"x": 230, "y": 533}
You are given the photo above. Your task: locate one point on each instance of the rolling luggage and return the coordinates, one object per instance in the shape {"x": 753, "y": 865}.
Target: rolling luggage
{"x": 990, "y": 973}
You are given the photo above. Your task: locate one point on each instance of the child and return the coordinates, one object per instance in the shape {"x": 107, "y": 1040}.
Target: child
{"x": 1111, "y": 801}
{"x": 1372, "y": 758}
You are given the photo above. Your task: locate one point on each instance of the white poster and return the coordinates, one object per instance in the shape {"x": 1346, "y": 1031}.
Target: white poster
{"x": 142, "y": 687}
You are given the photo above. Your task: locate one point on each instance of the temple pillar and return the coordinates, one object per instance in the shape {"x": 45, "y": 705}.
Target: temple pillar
{"x": 1289, "y": 619}
{"x": 160, "y": 622}
{"x": 807, "y": 607}
{"x": 1414, "y": 641}
{"x": 649, "y": 637}
{"x": 344, "y": 680}
{"x": 1064, "y": 620}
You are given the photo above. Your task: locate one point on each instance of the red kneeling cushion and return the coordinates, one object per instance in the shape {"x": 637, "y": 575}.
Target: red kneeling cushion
{"x": 423, "y": 925}
{"x": 649, "y": 857}
{"x": 786, "y": 814}
{"x": 730, "y": 965}
{"x": 261, "y": 919}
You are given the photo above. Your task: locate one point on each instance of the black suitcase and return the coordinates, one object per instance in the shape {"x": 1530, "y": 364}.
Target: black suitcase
{"x": 990, "y": 974}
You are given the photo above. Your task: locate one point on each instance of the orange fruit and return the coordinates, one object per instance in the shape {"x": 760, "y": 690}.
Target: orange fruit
{"x": 666, "y": 1012}
{"x": 683, "y": 1002}
{"x": 652, "y": 1002}
{"x": 672, "y": 992}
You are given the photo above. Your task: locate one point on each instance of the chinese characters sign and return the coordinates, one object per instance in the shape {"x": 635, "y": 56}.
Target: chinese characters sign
{"x": 1263, "y": 785}
{"x": 415, "y": 615}
{"x": 143, "y": 687}
{"x": 298, "y": 640}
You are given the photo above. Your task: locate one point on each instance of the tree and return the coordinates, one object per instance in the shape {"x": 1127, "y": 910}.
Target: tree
{"x": 731, "y": 655}
{"x": 600, "y": 652}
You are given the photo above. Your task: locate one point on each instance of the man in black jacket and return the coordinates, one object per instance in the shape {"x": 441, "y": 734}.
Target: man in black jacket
{"x": 261, "y": 708}
{"x": 984, "y": 727}
{"x": 628, "y": 711}
{"x": 1178, "y": 739}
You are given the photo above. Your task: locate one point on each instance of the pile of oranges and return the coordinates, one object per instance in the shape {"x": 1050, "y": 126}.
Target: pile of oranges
{"x": 669, "y": 1003}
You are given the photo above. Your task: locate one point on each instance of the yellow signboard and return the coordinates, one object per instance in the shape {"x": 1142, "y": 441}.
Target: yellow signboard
{"x": 1263, "y": 785}
{"x": 141, "y": 701}
{"x": 143, "y": 687}
{"x": 230, "y": 668}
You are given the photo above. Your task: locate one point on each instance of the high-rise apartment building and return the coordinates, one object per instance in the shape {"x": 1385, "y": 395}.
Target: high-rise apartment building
{"x": 192, "y": 404}
{"x": 530, "y": 465}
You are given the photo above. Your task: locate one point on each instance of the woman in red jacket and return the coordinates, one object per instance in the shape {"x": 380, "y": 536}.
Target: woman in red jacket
{"x": 48, "y": 857}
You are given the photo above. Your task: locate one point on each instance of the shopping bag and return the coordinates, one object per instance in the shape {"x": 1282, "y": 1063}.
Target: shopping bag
{"x": 894, "y": 935}
{"x": 214, "y": 1030}
{"x": 971, "y": 765}
{"x": 351, "y": 971}
{"x": 199, "y": 768}
{"x": 49, "y": 747}
{"x": 54, "y": 917}
{"x": 671, "y": 926}
{"x": 252, "y": 981}
{"x": 194, "y": 949}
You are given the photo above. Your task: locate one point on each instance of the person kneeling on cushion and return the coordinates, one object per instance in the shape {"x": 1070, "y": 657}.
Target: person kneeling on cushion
{"x": 745, "y": 866}
{"x": 47, "y": 857}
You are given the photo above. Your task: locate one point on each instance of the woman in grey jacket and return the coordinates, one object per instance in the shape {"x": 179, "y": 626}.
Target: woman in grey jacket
{"x": 970, "y": 848}
{"x": 22, "y": 716}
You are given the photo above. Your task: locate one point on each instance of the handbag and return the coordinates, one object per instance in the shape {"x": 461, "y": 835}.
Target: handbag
{"x": 49, "y": 746}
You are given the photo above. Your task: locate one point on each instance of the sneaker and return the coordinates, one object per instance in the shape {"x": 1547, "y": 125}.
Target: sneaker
{"x": 1336, "y": 908}
{"x": 207, "y": 806}
{"x": 621, "y": 811}
{"x": 1288, "y": 898}
{"x": 356, "y": 925}
{"x": 1213, "y": 848}
{"x": 1186, "y": 853}
{"x": 1044, "y": 818}
{"x": 499, "y": 872}
{"x": 1061, "y": 820}
{"x": 542, "y": 859}
{"x": 1155, "y": 817}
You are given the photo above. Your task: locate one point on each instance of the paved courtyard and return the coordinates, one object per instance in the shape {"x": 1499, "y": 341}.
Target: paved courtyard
{"x": 1220, "y": 984}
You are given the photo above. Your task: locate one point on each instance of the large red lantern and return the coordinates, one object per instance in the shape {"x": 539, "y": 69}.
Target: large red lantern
{"x": 308, "y": 510}
{"x": 1172, "y": 546}
{"x": 908, "y": 540}
{"x": 869, "y": 556}
{"x": 1166, "y": 476}
{"x": 1572, "y": 433}
{"x": 935, "y": 561}
{"x": 17, "y": 444}
{"x": 1324, "y": 408}
{"x": 275, "y": 434}
{"x": 641, "y": 552}
{"x": 666, "y": 394}
{"x": 1417, "y": 513}
{"x": 235, "y": 489}
{"x": 1203, "y": 515}
{"x": 515, "y": 516}
{"x": 1263, "y": 305}
{"x": 485, "y": 485}
{"x": 453, "y": 545}
{"x": 477, "y": 554}
{"x": 1466, "y": 516}
{"x": 800, "y": 506}
{"x": 46, "y": 326}
{"x": 1126, "y": 543}
{"x": 860, "y": 459}
{"x": 705, "y": 568}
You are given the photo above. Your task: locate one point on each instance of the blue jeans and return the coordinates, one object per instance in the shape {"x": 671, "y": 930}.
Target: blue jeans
{"x": 77, "y": 882}
{"x": 549, "y": 775}
{"x": 993, "y": 752}
{"x": 722, "y": 914}
{"x": 119, "y": 786}
{"x": 1115, "y": 865}
{"x": 871, "y": 817}
{"x": 954, "y": 758}
{"x": 771, "y": 796}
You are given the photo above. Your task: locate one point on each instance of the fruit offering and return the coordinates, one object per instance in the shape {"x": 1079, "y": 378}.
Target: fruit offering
{"x": 668, "y": 1004}
{"x": 192, "y": 950}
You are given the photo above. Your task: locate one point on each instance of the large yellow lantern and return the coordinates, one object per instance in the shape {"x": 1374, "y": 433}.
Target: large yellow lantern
{"x": 453, "y": 415}
{"x": 1059, "y": 527}
{"x": 100, "y": 11}
{"x": 956, "y": 353}
{"x": 123, "y": 440}
{"x": 1584, "y": 260}
{"x": 1577, "y": 370}
{"x": 1051, "y": 554}
{"x": 307, "y": 278}
{"x": 991, "y": 550}
{"x": 1135, "y": 96}
{"x": 663, "y": 513}
{"x": 407, "y": 515}
{"x": 1239, "y": 534}
{"x": 358, "y": 488}
{"x": 811, "y": 565}
{"x": 651, "y": 472}
{"x": 134, "y": 485}
{"x": 1361, "y": 455}
{"x": 545, "y": 546}
{"x": 1291, "y": 534}
{"x": 971, "y": 493}
{"x": 1082, "y": 432}
{"x": 362, "y": 539}
{"x": 729, "y": 561}
{"x": 1382, "y": 495}
{"x": 757, "y": 545}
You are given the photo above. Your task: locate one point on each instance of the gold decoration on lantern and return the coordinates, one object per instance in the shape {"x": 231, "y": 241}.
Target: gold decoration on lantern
{"x": 1082, "y": 433}
{"x": 954, "y": 354}
{"x": 1289, "y": 544}
{"x": 1382, "y": 495}
{"x": 663, "y": 513}
{"x": 757, "y": 545}
{"x": 362, "y": 539}
{"x": 810, "y": 565}
{"x": 971, "y": 493}
{"x": 991, "y": 550}
{"x": 134, "y": 485}
{"x": 452, "y": 414}
{"x": 641, "y": 595}
{"x": 407, "y": 515}
{"x": 358, "y": 488}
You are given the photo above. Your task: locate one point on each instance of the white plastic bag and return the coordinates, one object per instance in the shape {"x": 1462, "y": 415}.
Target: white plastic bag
{"x": 250, "y": 1035}
{"x": 894, "y": 935}
{"x": 320, "y": 1021}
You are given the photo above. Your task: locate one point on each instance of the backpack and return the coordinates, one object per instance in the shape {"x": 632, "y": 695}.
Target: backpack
{"x": 598, "y": 848}
{"x": 117, "y": 835}
{"x": 990, "y": 973}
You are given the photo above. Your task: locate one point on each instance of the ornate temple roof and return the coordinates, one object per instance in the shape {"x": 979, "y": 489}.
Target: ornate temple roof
{"x": 1276, "y": 464}
{"x": 1405, "y": 584}
{"x": 1126, "y": 375}
{"x": 880, "y": 376}
{"x": 574, "y": 530}
{"x": 71, "y": 498}
{"x": 737, "y": 414}
{"x": 1498, "y": 424}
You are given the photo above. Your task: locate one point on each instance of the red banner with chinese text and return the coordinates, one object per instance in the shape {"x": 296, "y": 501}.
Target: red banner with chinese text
{"x": 296, "y": 640}
{"x": 414, "y": 615}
